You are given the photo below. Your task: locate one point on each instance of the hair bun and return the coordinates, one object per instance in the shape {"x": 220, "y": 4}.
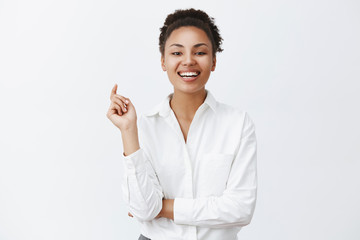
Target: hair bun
{"x": 190, "y": 17}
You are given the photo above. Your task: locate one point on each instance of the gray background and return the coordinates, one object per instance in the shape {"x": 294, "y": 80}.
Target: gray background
{"x": 293, "y": 65}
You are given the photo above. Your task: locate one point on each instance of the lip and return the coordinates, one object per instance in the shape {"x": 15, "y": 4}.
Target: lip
{"x": 189, "y": 79}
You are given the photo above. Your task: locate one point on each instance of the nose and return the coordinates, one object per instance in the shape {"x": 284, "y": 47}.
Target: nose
{"x": 188, "y": 60}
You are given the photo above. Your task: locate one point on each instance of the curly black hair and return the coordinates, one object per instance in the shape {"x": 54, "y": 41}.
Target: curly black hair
{"x": 190, "y": 17}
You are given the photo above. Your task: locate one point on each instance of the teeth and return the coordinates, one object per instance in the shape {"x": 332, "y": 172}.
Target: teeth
{"x": 188, "y": 74}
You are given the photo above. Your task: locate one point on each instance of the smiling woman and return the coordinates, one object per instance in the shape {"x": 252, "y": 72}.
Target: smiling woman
{"x": 191, "y": 161}
{"x": 188, "y": 59}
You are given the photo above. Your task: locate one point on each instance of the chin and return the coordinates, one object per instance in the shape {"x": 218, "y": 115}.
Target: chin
{"x": 189, "y": 89}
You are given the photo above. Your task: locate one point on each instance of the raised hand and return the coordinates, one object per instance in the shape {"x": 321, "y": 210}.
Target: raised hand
{"x": 121, "y": 111}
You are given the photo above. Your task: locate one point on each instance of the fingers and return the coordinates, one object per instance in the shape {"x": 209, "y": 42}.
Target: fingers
{"x": 113, "y": 91}
{"x": 116, "y": 108}
{"x": 113, "y": 109}
{"x": 130, "y": 215}
{"x": 120, "y": 102}
{"x": 124, "y": 99}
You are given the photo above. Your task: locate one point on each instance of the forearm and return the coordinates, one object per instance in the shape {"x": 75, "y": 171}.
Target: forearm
{"x": 142, "y": 190}
{"x": 167, "y": 210}
{"x": 228, "y": 210}
{"x": 130, "y": 140}
{"x": 222, "y": 212}
{"x": 143, "y": 193}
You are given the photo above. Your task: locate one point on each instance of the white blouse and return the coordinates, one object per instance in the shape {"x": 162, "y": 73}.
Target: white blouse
{"x": 212, "y": 176}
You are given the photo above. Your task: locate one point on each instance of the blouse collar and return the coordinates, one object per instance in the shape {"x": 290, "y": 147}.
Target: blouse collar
{"x": 163, "y": 109}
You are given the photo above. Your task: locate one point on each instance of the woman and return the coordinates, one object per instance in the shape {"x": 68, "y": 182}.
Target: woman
{"x": 191, "y": 161}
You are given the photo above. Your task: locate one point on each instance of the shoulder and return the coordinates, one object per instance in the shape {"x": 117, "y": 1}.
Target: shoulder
{"x": 154, "y": 111}
{"x": 223, "y": 109}
{"x": 234, "y": 116}
{"x": 150, "y": 117}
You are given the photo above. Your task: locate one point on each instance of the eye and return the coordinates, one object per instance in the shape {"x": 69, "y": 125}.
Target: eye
{"x": 200, "y": 53}
{"x": 176, "y": 53}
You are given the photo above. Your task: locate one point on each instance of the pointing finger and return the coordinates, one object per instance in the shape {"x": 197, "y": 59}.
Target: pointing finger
{"x": 113, "y": 90}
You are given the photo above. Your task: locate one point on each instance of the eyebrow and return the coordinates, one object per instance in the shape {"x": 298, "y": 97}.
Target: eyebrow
{"x": 196, "y": 45}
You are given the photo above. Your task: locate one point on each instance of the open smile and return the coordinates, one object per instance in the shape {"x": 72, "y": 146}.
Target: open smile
{"x": 189, "y": 76}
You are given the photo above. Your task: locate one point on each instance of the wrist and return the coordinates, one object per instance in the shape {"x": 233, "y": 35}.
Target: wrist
{"x": 168, "y": 209}
{"x": 130, "y": 140}
{"x": 129, "y": 129}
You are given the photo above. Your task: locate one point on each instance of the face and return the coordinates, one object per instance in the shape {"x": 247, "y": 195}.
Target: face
{"x": 188, "y": 59}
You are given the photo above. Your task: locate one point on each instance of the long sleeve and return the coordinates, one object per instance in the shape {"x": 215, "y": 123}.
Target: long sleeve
{"x": 235, "y": 207}
{"x": 141, "y": 189}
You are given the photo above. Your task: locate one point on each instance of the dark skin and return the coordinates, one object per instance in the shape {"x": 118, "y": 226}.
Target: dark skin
{"x": 167, "y": 210}
{"x": 187, "y": 96}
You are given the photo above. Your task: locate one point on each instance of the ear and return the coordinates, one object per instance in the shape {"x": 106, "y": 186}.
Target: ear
{"x": 214, "y": 64}
{"x": 163, "y": 63}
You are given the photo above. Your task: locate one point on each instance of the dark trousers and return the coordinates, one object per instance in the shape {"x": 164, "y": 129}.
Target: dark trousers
{"x": 142, "y": 237}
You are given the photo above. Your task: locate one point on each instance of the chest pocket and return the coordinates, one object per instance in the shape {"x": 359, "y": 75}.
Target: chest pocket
{"x": 213, "y": 173}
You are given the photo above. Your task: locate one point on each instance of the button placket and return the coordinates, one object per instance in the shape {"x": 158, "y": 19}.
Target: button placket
{"x": 189, "y": 180}
{"x": 172, "y": 121}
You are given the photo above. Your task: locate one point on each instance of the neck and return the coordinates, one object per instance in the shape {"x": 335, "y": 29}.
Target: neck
{"x": 185, "y": 105}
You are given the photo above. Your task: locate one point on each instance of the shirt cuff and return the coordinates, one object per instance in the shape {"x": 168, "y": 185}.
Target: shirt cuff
{"x": 135, "y": 162}
{"x": 183, "y": 210}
